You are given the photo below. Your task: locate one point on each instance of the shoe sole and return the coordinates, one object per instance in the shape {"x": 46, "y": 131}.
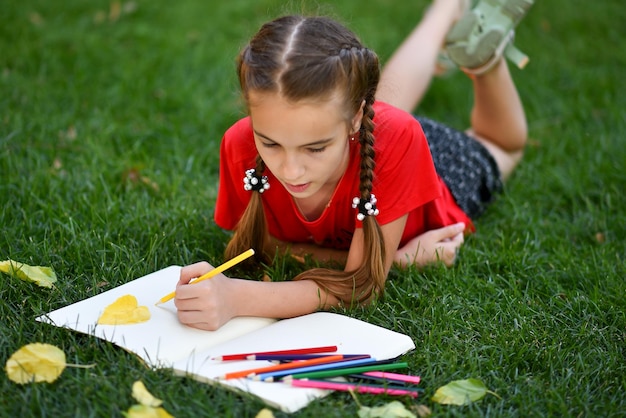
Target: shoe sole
{"x": 470, "y": 46}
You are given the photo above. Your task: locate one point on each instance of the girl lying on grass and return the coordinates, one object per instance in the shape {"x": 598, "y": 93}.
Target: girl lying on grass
{"x": 334, "y": 165}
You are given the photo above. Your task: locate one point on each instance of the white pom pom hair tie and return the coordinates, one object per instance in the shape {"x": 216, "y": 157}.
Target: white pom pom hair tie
{"x": 366, "y": 207}
{"x": 254, "y": 182}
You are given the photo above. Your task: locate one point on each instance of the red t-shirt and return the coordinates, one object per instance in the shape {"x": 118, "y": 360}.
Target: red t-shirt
{"x": 404, "y": 182}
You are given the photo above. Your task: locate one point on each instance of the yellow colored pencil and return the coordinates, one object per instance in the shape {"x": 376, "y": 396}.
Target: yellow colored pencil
{"x": 214, "y": 272}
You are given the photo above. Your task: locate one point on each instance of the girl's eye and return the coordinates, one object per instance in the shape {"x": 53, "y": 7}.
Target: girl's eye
{"x": 317, "y": 149}
{"x": 269, "y": 145}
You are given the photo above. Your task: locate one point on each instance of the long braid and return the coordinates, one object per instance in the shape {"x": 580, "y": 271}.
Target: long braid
{"x": 374, "y": 249}
{"x": 251, "y": 231}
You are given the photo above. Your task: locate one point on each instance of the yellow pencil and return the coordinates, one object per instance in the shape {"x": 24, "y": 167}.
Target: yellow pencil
{"x": 214, "y": 272}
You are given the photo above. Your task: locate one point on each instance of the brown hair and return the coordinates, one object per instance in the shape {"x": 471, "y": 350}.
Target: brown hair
{"x": 312, "y": 58}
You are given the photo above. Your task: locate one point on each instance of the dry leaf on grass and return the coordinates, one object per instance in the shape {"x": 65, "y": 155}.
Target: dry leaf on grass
{"x": 392, "y": 409}
{"x": 265, "y": 413}
{"x": 149, "y": 406}
{"x": 37, "y": 362}
{"x": 133, "y": 177}
{"x": 141, "y": 394}
{"x": 461, "y": 392}
{"x": 421, "y": 410}
{"x": 42, "y": 276}
{"x": 143, "y": 411}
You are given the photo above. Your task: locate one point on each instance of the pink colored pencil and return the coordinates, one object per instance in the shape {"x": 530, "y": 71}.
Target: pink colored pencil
{"x": 345, "y": 387}
{"x": 394, "y": 376}
{"x": 310, "y": 350}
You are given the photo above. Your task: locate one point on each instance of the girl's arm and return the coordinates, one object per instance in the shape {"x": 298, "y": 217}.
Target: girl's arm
{"x": 392, "y": 234}
{"x": 211, "y": 303}
{"x": 317, "y": 252}
{"x": 437, "y": 245}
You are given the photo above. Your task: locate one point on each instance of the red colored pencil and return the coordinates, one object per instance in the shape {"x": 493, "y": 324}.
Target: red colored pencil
{"x": 282, "y": 366}
{"x": 310, "y": 350}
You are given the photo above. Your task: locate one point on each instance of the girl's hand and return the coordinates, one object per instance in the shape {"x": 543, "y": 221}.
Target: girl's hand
{"x": 205, "y": 305}
{"x": 437, "y": 245}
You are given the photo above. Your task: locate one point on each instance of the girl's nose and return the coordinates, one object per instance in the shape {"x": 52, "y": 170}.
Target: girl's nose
{"x": 292, "y": 168}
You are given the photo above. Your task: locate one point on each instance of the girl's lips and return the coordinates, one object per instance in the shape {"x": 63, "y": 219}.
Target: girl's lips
{"x": 297, "y": 188}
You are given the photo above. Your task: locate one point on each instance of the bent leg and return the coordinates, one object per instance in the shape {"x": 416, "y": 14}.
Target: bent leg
{"x": 498, "y": 119}
{"x": 409, "y": 72}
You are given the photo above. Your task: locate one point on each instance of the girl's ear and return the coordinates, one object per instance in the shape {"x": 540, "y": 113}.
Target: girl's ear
{"x": 357, "y": 119}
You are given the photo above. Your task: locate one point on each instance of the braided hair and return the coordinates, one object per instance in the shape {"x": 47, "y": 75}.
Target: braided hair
{"x": 313, "y": 57}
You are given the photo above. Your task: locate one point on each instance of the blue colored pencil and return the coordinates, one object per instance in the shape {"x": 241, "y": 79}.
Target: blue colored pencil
{"x": 343, "y": 371}
{"x": 271, "y": 376}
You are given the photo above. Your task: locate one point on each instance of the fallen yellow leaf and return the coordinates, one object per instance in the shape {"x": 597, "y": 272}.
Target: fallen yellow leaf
{"x": 421, "y": 410}
{"x": 42, "y": 276}
{"x": 141, "y": 394}
{"x": 461, "y": 392}
{"x": 393, "y": 409}
{"x": 36, "y": 362}
{"x": 143, "y": 411}
{"x": 264, "y": 413}
{"x": 149, "y": 405}
{"x": 124, "y": 310}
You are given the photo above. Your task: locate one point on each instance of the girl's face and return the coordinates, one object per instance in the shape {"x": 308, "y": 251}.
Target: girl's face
{"x": 304, "y": 144}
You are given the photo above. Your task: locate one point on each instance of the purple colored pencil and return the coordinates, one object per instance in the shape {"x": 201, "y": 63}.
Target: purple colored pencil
{"x": 292, "y": 357}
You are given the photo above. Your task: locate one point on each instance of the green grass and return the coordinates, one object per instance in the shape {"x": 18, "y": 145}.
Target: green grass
{"x": 534, "y": 308}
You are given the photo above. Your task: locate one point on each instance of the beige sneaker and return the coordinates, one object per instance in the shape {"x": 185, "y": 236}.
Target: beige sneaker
{"x": 485, "y": 33}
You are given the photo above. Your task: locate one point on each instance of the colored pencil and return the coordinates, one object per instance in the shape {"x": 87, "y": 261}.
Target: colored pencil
{"x": 362, "y": 378}
{"x": 292, "y": 357}
{"x": 394, "y": 377}
{"x": 282, "y": 366}
{"x": 295, "y": 351}
{"x": 271, "y": 376}
{"x": 322, "y": 374}
{"x": 329, "y": 385}
{"x": 212, "y": 273}
{"x": 344, "y": 358}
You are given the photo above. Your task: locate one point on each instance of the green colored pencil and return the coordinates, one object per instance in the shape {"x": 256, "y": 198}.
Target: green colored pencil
{"x": 322, "y": 374}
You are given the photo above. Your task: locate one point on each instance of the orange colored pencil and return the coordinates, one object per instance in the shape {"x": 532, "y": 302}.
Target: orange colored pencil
{"x": 283, "y": 366}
